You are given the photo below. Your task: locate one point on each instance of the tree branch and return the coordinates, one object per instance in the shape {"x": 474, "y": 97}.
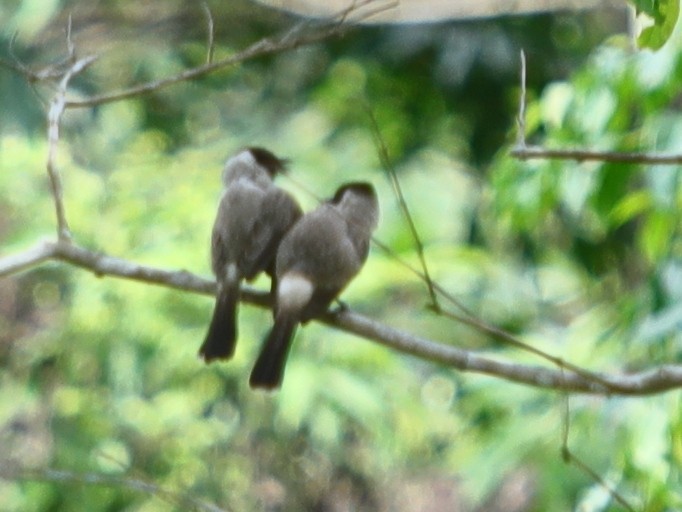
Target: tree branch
{"x": 400, "y": 197}
{"x": 54, "y": 116}
{"x": 290, "y": 40}
{"x": 524, "y": 152}
{"x": 570, "y": 458}
{"x": 183, "y": 500}
{"x": 24, "y": 260}
{"x": 210, "y": 44}
{"x": 583, "y": 155}
{"x": 647, "y": 382}
{"x": 103, "y": 265}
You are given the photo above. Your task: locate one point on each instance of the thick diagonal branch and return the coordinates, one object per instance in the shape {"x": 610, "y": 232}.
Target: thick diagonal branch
{"x": 647, "y": 382}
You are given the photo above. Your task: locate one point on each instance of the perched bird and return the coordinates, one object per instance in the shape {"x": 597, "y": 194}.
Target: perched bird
{"x": 316, "y": 260}
{"x": 252, "y": 218}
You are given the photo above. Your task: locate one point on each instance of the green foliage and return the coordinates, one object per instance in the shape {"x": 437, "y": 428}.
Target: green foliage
{"x": 664, "y": 14}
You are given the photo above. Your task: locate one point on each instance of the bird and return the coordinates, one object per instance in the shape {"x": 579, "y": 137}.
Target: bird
{"x": 253, "y": 216}
{"x": 316, "y": 260}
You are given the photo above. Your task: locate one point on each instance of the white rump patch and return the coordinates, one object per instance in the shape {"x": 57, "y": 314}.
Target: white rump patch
{"x": 294, "y": 292}
{"x": 231, "y": 274}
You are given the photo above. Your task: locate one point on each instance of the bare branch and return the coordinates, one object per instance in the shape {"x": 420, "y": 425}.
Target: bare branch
{"x": 16, "y": 65}
{"x": 54, "y": 71}
{"x": 398, "y": 191}
{"x": 525, "y": 152}
{"x": 70, "y": 47}
{"x": 510, "y": 339}
{"x": 470, "y": 319}
{"x": 96, "y": 479}
{"x": 570, "y": 458}
{"x": 356, "y": 8}
{"x": 57, "y": 106}
{"x": 656, "y": 380}
{"x": 288, "y": 41}
{"x": 662, "y": 378}
{"x": 103, "y": 265}
{"x": 583, "y": 155}
{"x": 210, "y": 33}
{"x": 24, "y": 260}
{"x": 521, "y": 118}
{"x": 263, "y": 47}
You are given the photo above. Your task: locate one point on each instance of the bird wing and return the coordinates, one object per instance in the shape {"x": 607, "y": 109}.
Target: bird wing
{"x": 278, "y": 213}
{"x": 219, "y": 254}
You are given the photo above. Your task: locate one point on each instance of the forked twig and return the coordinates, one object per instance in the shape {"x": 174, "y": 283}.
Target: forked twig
{"x": 288, "y": 41}
{"x": 570, "y": 458}
{"x": 54, "y": 115}
{"x": 400, "y": 197}
{"x": 524, "y": 152}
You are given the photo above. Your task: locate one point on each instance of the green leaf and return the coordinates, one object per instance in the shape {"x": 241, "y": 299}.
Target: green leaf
{"x": 664, "y": 14}
{"x": 656, "y": 234}
{"x": 630, "y": 206}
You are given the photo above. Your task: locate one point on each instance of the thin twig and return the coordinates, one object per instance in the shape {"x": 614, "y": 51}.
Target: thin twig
{"x": 398, "y": 191}
{"x": 261, "y": 48}
{"x": 12, "y": 42}
{"x": 96, "y": 479}
{"x": 15, "y": 64}
{"x": 584, "y": 155}
{"x": 509, "y": 339}
{"x": 70, "y": 47}
{"x": 54, "y": 71}
{"x": 47, "y": 73}
{"x": 524, "y": 152}
{"x": 57, "y": 106}
{"x": 470, "y": 319}
{"x": 570, "y": 458}
{"x": 439, "y": 289}
{"x": 521, "y": 118}
{"x": 656, "y": 380}
{"x": 210, "y": 32}
{"x": 363, "y": 15}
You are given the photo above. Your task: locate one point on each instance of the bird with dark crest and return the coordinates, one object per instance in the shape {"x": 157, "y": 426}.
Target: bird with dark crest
{"x": 316, "y": 260}
{"x": 253, "y": 216}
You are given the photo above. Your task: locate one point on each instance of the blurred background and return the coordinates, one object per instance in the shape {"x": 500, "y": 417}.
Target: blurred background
{"x": 582, "y": 260}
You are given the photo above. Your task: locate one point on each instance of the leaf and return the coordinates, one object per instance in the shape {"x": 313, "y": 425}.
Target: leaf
{"x": 630, "y": 206}
{"x": 664, "y": 14}
{"x": 656, "y": 234}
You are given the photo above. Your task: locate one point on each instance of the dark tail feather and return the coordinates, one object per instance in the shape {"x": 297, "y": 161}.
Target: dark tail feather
{"x": 268, "y": 371}
{"x": 222, "y": 333}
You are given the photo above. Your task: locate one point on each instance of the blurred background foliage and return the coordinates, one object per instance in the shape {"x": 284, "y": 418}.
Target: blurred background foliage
{"x": 581, "y": 259}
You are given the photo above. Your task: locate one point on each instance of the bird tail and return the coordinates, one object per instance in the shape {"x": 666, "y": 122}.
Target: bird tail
{"x": 268, "y": 371}
{"x": 222, "y": 333}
